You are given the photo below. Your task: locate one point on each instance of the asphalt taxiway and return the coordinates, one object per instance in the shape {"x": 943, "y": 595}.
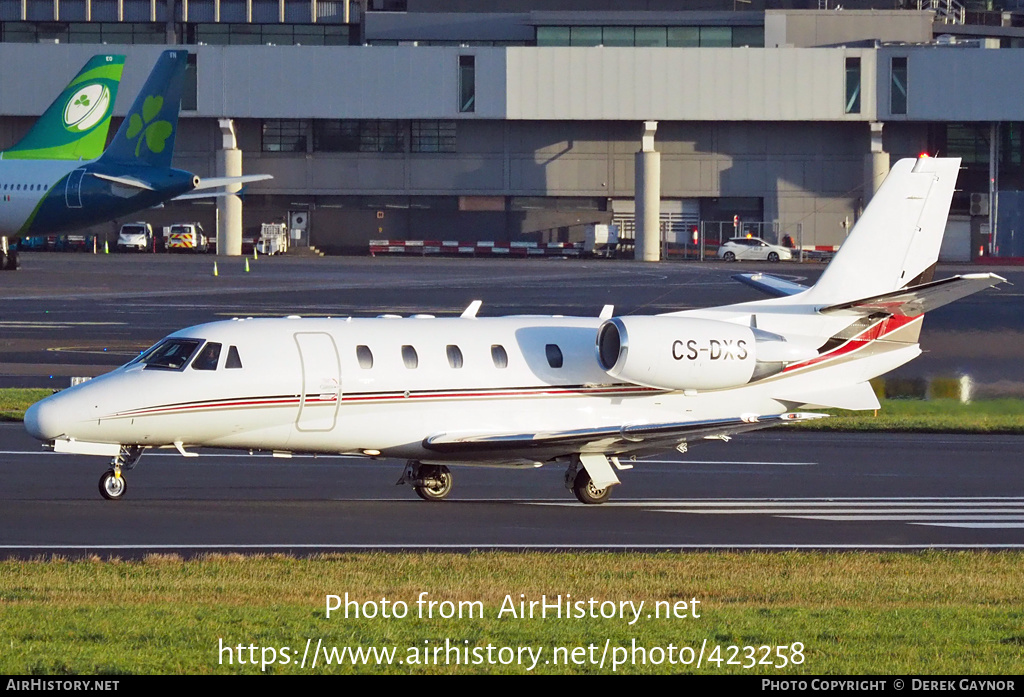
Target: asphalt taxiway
{"x": 767, "y": 490}
{"x": 74, "y": 315}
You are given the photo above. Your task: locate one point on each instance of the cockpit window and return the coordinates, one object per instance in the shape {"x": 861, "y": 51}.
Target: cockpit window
{"x": 208, "y": 357}
{"x": 233, "y": 360}
{"x": 172, "y": 354}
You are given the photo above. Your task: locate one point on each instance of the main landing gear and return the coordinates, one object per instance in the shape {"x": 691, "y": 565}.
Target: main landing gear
{"x": 112, "y": 484}
{"x": 582, "y": 483}
{"x": 430, "y": 482}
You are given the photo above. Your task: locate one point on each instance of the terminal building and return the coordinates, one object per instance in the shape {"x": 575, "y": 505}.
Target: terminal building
{"x": 521, "y": 120}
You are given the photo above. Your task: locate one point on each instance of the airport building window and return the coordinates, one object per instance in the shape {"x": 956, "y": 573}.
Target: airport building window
{"x": 454, "y": 356}
{"x": 284, "y": 135}
{"x": 499, "y": 356}
{"x": 898, "y": 85}
{"x": 233, "y": 362}
{"x": 650, "y": 36}
{"x": 381, "y": 136}
{"x": 340, "y": 135}
{"x": 84, "y": 32}
{"x": 582, "y": 36}
{"x": 409, "y": 357}
{"x": 467, "y": 84}
{"x": 224, "y": 34}
{"x": 554, "y": 355}
{"x": 554, "y": 36}
{"x": 433, "y": 136}
{"x": 675, "y": 37}
{"x": 365, "y": 357}
{"x": 853, "y": 85}
{"x": 358, "y": 135}
{"x": 208, "y": 357}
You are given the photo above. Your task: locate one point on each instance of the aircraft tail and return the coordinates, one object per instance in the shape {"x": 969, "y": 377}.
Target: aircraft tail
{"x": 146, "y": 136}
{"x": 75, "y": 125}
{"x": 895, "y": 244}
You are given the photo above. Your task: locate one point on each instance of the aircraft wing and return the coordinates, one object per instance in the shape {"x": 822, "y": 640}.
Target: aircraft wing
{"x": 916, "y": 300}
{"x": 610, "y": 440}
{"x": 770, "y": 285}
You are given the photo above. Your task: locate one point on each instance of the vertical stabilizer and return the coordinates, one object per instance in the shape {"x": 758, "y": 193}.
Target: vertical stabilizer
{"x": 75, "y": 125}
{"x": 897, "y": 239}
{"x": 146, "y": 136}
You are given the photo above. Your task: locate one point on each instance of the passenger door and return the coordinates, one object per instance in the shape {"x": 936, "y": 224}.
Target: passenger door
{"x": 321, "y": 382}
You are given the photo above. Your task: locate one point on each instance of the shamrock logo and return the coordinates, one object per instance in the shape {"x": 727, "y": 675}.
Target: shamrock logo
{"x": 83, "y": 100}
{"x": 155, "y": 133}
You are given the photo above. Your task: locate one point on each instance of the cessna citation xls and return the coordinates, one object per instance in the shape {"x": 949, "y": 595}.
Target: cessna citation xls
{"x": 587, "y": 393}
{"x": 58, "y": 177}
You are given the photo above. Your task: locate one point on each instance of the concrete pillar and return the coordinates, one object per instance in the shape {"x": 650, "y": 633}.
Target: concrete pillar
{"x": 648, "y": 197}
{"x": 229, "y": 207}
{"x": 876, "y": 163}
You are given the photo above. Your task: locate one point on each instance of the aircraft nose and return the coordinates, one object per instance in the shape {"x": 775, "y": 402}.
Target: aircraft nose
{"x": 43, "y": 419}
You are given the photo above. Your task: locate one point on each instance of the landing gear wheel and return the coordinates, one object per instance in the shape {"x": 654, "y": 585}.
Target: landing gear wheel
{"x": 773, "y": 257}
{"x": 112, "y": 485}
{"x": 585, "y": 490}
{"x": 729, "y": 256}
{"x": 437, "y": 483}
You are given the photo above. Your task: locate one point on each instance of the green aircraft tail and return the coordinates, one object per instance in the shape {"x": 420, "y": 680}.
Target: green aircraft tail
{"x": 75, "y": 126}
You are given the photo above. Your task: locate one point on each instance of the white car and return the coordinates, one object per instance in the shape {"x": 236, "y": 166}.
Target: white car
{"x": 751, "y": 248}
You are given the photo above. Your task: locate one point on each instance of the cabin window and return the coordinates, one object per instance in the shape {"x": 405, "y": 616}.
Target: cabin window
{"x": 208, "y": 357}
{"x": 409, "y": 357}
{"x": 499, "y": 356}
{"x": 365, "y": 357}
{"x": 454, "y": 356}
{"x": 554, "y": 355}
{"x": 172, "y": 354}
{"x": 233, "y": 361}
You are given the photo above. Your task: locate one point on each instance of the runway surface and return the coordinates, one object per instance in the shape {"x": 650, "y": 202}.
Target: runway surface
{"x": 761, "y": 491}
{"x": 70, "y": 315}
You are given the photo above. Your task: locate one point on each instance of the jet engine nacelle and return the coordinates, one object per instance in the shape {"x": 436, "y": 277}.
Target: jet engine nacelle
{"x": 680, "y": 353}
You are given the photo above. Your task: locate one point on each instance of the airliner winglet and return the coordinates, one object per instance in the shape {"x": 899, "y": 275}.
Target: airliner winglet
{"x": 575, "y": 392}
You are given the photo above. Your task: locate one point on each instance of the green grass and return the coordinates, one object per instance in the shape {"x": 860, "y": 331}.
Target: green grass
{"x": 14, "y": 401}
{"x": 931, "y": 416}
{"x": 854, "y": 613}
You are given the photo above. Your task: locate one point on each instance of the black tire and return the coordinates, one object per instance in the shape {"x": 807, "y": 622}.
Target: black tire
{"x": 729, "y": 256}
{"x": 773, "y": 257}
{"x": 112, "y": 487}
{"x": 438, "y": 491}
{"x": 586, "y": 492}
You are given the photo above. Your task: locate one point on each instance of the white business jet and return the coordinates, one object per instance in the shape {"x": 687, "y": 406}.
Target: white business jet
{"x": 588, "y": 393}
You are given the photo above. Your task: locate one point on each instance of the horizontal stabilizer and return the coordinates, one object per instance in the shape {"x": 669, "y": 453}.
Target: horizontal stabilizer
{"x": 914, "y": 301}
{"x": 770, "y": 285}
{"x": 123, "y": 181}
{"x": 855, "y": 397}
{"x": 611, "y": 440}
{"x": 213, "y": 182}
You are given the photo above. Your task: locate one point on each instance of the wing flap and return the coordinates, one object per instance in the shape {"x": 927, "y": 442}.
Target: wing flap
{"x": 610, "y": 440}
{"x": 856, "y": 397}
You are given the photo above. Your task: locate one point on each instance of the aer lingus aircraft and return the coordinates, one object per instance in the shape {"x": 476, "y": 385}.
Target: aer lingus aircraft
{"x": 58, "y": 177}
{"x": 587, "y": 393}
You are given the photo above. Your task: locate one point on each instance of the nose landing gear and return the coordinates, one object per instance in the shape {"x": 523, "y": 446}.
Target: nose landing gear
{"x": 112, "y": 484}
